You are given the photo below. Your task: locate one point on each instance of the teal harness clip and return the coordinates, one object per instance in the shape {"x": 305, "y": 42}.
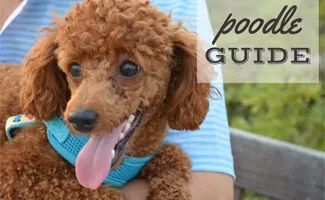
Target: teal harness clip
{"x": 69, "y": 145}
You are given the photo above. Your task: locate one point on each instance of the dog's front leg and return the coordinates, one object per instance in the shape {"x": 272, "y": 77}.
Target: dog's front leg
{"x": 168, "y": 174}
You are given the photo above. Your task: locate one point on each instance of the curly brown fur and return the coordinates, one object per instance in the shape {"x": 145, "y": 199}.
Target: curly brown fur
{"x": 99, "y": 35}
{"x": 168, "y": 174}
{"x": 9, "y": 96}
{"x": 32, "y": 169}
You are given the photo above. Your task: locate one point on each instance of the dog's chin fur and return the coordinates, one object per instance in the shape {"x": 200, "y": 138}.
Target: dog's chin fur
{"x": 100, "y": 35}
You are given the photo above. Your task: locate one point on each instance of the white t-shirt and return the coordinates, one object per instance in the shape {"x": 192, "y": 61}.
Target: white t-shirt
{"x": 209, "y": 148}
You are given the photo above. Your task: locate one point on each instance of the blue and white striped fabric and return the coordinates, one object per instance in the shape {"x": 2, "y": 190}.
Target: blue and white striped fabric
{"x": 209, "y": 147}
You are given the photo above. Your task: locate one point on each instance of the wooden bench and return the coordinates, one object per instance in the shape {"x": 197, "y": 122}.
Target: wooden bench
{"x": 276, "y": 169}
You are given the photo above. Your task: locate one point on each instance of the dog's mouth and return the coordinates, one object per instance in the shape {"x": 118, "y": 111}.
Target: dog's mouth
{"x": 101, "y": 153}
{"x": 132, "y": 123}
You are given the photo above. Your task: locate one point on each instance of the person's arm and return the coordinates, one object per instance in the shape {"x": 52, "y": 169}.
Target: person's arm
{"x": 203, "y": 185}
{"x": 6, "y": 8}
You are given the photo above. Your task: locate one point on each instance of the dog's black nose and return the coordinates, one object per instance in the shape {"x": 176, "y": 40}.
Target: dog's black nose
{"x": 83, "y": 120}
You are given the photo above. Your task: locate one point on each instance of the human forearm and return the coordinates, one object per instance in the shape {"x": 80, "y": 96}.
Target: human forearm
{"x": 211, "y": 186}
{"x": 204, "y": 186}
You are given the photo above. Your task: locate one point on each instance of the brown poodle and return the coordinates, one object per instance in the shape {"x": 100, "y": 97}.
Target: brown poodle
{"x": 107, "y": 65}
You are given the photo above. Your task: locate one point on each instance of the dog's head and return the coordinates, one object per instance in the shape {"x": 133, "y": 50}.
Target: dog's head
{"x": 105, "y": 66}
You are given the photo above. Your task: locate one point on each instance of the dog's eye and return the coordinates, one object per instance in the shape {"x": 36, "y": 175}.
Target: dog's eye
{"x": 75, "y": 70}
{"x": 128, "y": 69}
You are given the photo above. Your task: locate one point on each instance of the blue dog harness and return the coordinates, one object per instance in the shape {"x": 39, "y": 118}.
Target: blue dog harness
{"x": 69, "y": 145}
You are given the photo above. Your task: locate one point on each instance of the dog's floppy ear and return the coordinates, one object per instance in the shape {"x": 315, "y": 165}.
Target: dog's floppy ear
{"x": 44, "y": 90}
{"x": 187, "y": 99}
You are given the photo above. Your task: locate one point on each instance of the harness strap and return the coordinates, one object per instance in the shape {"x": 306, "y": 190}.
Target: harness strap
{"x": 69, "y": 145}
{"x": 58, "y": 129}
{"x": 18, "y": 121}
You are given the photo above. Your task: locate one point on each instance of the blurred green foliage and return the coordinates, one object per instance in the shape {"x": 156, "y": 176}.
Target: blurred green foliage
{"x": 288, "y": 112}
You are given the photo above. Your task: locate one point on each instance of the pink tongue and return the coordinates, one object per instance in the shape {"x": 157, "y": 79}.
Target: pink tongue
{"x": 94, "y": 160}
